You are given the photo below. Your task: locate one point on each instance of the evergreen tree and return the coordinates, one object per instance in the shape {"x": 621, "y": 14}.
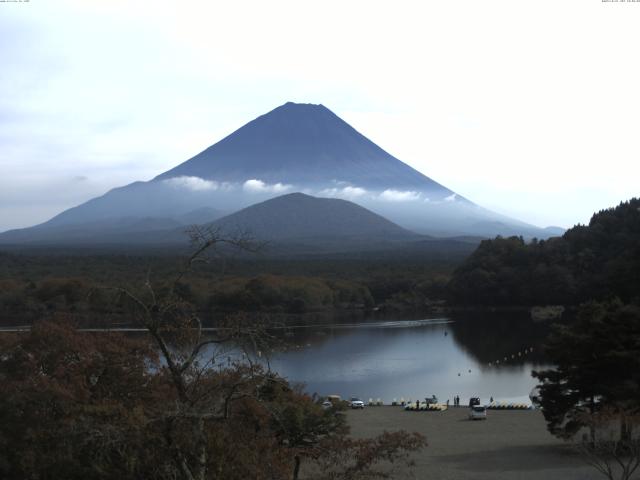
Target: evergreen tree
{"x": 597, "y": 362}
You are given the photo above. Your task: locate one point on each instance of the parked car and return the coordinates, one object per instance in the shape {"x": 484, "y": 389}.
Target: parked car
{"x": 478, "y": 412}
{"x": 355, "y": 402}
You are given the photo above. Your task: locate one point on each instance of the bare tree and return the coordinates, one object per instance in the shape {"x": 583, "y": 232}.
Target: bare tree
{"x": 190, "y": 353}
{"x": 613, "y": 445}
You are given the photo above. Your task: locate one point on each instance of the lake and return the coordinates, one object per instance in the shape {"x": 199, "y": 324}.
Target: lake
{"x": 466, "y": 355}
{"x": 411, "y": 356}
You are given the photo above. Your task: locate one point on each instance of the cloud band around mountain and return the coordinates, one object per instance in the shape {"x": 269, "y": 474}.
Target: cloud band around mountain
{"x": 391, "y": 195}
{"x": 258, "y": 186}
{"x": 195, "y": 184}
{"x": 347, "y": 192}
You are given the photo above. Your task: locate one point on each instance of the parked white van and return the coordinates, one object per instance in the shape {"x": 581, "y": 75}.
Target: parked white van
{"x": 478, "y": 412}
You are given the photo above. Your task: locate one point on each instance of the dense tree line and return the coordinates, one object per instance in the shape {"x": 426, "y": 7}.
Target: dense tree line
{"x": 35, "y": 286}
{"x": 290, "y": 294}
{"x": 595, "y": 261}
{"x": 25, "y": 301}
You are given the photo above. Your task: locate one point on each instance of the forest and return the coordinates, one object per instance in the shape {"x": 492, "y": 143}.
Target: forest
{"x": 600, "y": 260}
{"x": 34, "y": 286}
{"x": 595, "y": 261}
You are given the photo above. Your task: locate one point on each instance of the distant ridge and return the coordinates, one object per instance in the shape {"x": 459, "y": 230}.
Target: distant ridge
{"x": 298, "y": 216}
{"x": 118, "y": 230}
{"x": 291, "y": 218}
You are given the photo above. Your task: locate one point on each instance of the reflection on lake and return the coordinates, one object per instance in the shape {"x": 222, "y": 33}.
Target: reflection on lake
{"x": 416, "y": 358}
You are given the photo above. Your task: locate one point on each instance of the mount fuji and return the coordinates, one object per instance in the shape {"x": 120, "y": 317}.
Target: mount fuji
{"x": 294, "y": 148}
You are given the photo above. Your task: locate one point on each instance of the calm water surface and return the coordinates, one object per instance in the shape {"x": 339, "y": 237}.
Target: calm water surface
{"x": 416, "y": 358}
{"x": 484, "y": 355}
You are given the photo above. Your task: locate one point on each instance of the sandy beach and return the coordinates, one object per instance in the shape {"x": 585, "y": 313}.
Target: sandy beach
{"x": 508, "y": 445}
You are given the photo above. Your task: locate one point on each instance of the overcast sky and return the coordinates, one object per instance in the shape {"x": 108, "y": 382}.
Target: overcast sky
{"x": 530, "y": 108}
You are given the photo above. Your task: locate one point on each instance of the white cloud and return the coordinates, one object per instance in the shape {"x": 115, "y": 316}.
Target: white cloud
{"x": 450, "y": 198}
{"x": 345, "y": 192}
{"x": 399, "y": 196}
{"x": 195, "y": 184}
{"x": 258, "y": 186}
{"x": 353, "y": 191}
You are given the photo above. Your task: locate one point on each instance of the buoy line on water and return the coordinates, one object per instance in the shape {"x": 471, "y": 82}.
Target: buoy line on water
{"x": 513, "y": 356}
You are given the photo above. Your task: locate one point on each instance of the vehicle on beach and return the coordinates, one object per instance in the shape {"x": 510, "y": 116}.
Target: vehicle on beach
{"x": 473, "y": 401}
{"x": 478, "y": 412}
{"x": 431, "y": 400}
{"x": 355, "y": 402}
{"x": 331, "y": 401}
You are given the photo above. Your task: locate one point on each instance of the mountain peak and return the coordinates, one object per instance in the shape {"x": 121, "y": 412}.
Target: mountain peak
{"x": 292, "y": 113}
{"x": 303, "y": 105}
{"x": 294, "y": 196}
{"x": 307, "y": 146}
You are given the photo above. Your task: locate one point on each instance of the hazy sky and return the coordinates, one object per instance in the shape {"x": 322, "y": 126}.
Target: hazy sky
{"x": 531, "y": 108}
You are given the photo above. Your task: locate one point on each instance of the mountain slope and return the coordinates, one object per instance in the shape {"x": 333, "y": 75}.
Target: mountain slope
{"x": 118, "y": 230}
{"x": 295, "y": 147}
{"x": 304, "y": 145}
{"x": 299, "y": 216}
{"x": 293, "y": 222}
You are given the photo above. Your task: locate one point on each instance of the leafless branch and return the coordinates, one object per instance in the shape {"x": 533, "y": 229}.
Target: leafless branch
{"x": 614, "y": 449}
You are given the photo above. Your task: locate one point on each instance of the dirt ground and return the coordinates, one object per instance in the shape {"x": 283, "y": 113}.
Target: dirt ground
{"x": 508, "y": 445}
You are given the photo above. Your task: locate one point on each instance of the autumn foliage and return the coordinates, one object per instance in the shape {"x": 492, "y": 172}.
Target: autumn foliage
{"x": 78, "y": 405}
